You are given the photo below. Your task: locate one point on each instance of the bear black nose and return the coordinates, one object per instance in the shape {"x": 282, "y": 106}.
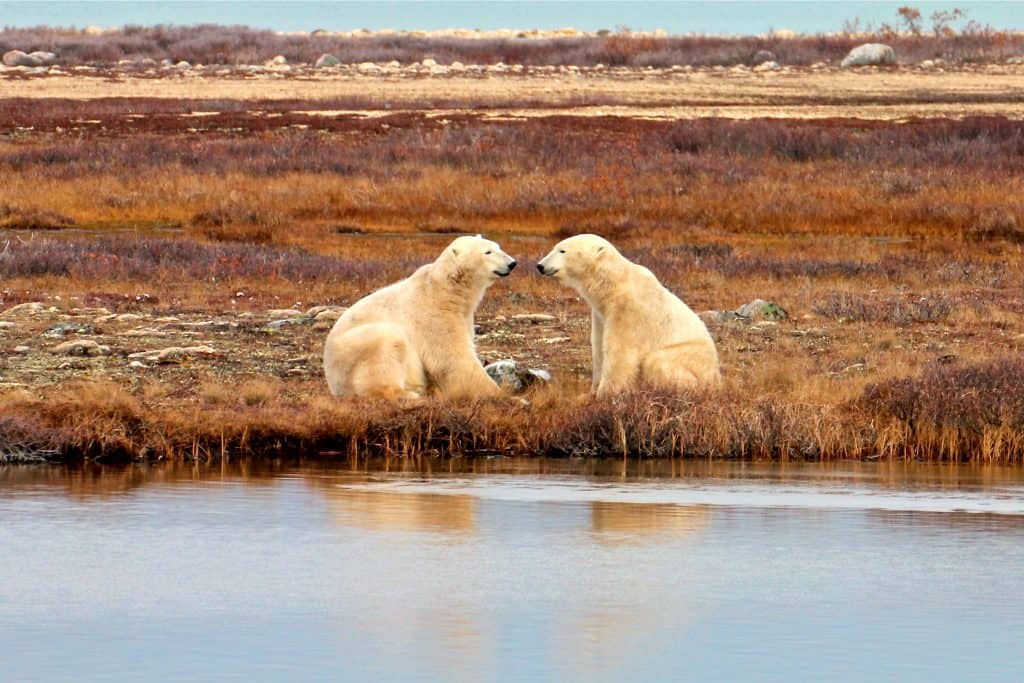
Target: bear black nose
{"x": 540, "y": 268}
{"x": 511, "y": 266}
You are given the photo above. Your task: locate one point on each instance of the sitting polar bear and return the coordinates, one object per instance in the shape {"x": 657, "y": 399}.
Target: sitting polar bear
{"x": 416, "y": 336}
{"x": 640, "y": 331}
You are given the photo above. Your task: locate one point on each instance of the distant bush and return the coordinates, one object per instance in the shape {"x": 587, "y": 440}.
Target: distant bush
{"x": 212, "y": 44}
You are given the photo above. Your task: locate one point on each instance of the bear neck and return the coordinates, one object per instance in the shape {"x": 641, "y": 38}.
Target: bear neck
{"x": 599, "y": 287}
{"x": 457, "y": 290}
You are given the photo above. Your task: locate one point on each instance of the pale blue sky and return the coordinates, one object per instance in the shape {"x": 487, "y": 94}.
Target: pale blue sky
{"x": 677, "y": 17}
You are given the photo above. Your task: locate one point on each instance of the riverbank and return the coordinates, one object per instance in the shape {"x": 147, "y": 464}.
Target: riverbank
{"x": 169, "y": 269}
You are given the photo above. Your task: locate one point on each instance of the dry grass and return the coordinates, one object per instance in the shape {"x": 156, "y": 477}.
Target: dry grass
{"x": 895, "y": 248}
{"x": 209, "y": 44}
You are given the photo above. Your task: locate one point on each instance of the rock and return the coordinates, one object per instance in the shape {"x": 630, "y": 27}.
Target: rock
{"x": 767, "y": 66}
{"x": 284, "y": 313}
{"x": 927, "y": 64}
{"x": 869, "y": 54}
{"x": 172, "y": 354}
{"x": 315, "y": 311}
{"x": 457, "y": 66}
{"x": 19, "y": 58}
{"x": 7, "y": 325}
{"x": 284, "y": 322}
{"x": 438, "y": 70}
{"x": 368, "y": 68}
{"x": 759, "y": 309}
{"x": 22, "y": 350}
{"x": 183, "y": 65}
{"x": 31, "y": 308}
{"x": 44, "y": 58}
{"x": 762, "y": 56}
{"x": 64, "y": 329}
{"x": 428, "y": 62}
{"x": 719, "y": 317}
{"x": 555, "y": 340}
{"x": 138, "y": 365}
{"x": 81, "y": 347}
{"x": 279, "y": 60}
{"x": 534, "y": 318}
{"x": 507, "y": 373}
{"x": 327, "y": 60}
{"x": 128, "y": 317}
{"x": 329, "y": 315}
{"x": 1015, "y": 60}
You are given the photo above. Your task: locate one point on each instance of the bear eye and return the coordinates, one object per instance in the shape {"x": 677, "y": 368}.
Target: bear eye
{"x": 561, "y": 251}
{"x": 487, "y": 253}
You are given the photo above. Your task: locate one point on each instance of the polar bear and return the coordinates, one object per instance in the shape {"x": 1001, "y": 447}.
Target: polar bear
{"x": 640, "y": 333}
{"x": 416, "y": 336}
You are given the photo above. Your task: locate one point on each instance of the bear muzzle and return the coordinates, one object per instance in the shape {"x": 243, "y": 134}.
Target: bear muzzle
{"x": 508, "y": 270}
{"x": 542, "y": 269}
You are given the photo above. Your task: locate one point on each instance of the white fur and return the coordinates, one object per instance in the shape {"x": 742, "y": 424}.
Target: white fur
{"x": 641, "y": 333}
{"x": 416, "y": 336}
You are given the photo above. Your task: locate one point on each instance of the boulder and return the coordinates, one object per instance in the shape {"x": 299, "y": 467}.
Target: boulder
{"x": 19, "y": 58}
{"x": 767, "y": 66}
{"x": 762, "y": 56}
{"x": 327, "y": 60}
{"x": 759, "y": 309}
{"x": 534, "y": 318}
{"x": 869, "y": 54}
{"x": 31, "y": 308}
{"x": 81, "y": 347}
{"x": 44, "y": 58}
{"x": 368, "y": 68}
{"x": 279, "y": 60}
{"x": 507, "y": 373}
{"x": 173, "y": 354}
{"x": 428, "y": 62}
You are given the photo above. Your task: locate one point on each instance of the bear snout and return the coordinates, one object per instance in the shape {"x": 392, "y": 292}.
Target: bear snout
{"x": 540, "y": 268}
{"x": 512, "y": 266}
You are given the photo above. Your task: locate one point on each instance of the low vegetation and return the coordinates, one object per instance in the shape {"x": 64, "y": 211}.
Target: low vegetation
{"x": 896, "y": 248}
{"x": 953, "y": 38}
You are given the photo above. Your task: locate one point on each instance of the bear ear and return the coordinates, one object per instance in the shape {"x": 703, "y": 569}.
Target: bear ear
{"x": 599, "y": 249}
{"x": 479, "y": 236}
{"x": 455, "y": 252}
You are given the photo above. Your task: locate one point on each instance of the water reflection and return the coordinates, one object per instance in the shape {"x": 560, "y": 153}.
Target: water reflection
{"x": 484, "y": 570}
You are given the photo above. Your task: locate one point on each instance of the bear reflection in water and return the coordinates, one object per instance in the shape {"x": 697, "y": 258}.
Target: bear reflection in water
{"x": 609, "y": 523}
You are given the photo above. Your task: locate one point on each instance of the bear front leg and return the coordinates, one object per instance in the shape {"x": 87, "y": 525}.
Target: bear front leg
{"x": 620, "y": 369}
{"x": 596, "y": 348}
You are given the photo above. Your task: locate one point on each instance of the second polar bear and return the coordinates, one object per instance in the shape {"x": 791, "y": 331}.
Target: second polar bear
{"x": 416, "y": 336}
{"x": 641, "y": 333}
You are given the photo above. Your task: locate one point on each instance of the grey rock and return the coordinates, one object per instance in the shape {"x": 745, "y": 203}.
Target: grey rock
{"x": 19, "y": 58}
{"x": 534, "y": 318}
{"x": 22, "y": 350}
{"x": 81, "y": 347}
{"x": 508, "y": 374}
{"x": 64, "y": 329}
{"x": 327, "y": 60}
{"x": 767, "y": 66}
{"x": 44, "y": 58}
{"x": 31, "y": 308}
{"x": 172, "y": 354}
{"x": 762, "y": 56}
{"x": 759, "y": 309}
{"x": 869, "y": 54}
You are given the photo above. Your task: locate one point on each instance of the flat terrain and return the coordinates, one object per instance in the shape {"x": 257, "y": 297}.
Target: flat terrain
{"x": 791, "y": 92}
{"x": 198, "y": 231}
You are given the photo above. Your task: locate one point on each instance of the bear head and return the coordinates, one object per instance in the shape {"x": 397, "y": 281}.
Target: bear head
{"x": 575, "y": 259}
{"x": 478, "y": 260}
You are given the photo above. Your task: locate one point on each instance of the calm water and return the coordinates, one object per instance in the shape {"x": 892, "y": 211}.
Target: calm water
{"x": 515, "y": 571}
{"x": 746, "y": 17}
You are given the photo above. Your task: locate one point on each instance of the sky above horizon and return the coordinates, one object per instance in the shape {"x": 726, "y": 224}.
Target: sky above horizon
{"x": 716, "y": 17}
